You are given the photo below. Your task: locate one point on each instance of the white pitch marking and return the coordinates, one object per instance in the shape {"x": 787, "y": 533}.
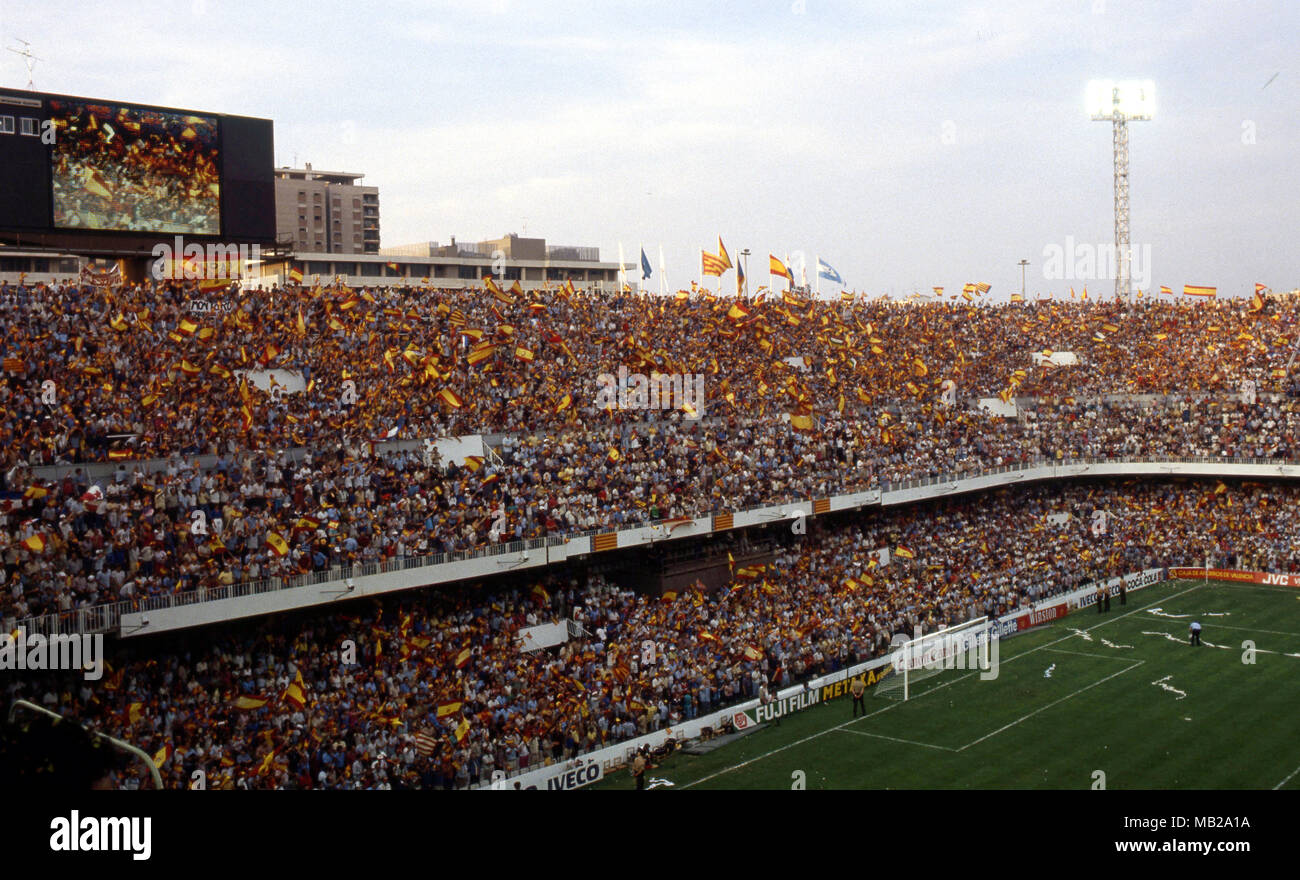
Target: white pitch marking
{"x": 1134, "y": 665}
{"x": 1195, "y": 585}
{"x": 1288, "y": 779}
{"x": 910, "y": 742}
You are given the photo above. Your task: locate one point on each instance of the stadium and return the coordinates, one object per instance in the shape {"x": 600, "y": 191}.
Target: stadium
{"x": 466, "y": 520}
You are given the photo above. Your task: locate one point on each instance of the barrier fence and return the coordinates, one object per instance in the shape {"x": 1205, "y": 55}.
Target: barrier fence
{"x": 107, "y": 617}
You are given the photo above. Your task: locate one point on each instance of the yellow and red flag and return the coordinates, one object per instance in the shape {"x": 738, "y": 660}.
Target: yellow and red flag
{"x": 277, "y": 544}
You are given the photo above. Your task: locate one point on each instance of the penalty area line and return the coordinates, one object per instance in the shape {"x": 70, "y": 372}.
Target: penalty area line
{"x": 910, "y": 742}
{"x": 1196, "y": 585}
{"x": 1288, "y": 779}
{"x": 1026, "y": 717}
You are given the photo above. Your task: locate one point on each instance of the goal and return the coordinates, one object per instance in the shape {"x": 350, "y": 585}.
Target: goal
{"x": 964, "y": 646}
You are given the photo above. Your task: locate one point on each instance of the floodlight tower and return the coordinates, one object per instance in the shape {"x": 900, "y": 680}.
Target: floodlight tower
{"x": 1119, "y": 103}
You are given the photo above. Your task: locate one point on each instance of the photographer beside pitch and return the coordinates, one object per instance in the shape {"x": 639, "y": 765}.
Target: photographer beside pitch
{"x": 1194, "y": 632}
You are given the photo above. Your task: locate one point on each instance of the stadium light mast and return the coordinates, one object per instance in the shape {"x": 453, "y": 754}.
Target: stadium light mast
{"x": 1120, "y": 103}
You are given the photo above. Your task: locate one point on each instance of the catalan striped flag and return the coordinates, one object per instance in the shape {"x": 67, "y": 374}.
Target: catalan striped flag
{"x": 714, "y": 264}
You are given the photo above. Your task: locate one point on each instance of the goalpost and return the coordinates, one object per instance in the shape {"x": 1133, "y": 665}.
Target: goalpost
{"x": 964, "y": 646}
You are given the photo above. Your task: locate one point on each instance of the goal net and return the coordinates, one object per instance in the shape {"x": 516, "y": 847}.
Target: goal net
{"x": 964, "y": 646}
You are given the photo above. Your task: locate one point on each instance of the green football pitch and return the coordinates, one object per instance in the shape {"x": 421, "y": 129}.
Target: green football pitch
{"x": 1122, "y": 694}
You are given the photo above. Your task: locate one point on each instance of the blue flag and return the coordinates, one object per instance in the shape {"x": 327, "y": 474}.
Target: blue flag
{"x": 824, "y": 270}
{"x": 645, "y": 266}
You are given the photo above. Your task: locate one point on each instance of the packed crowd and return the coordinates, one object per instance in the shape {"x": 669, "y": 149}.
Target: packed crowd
{"x": 259, "y": 510}
{"x": 433, "y": 690}
{"x": 140, "y": 373}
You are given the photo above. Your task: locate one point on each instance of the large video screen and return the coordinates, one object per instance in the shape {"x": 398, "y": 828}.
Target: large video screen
{"x": 129, "y": 169}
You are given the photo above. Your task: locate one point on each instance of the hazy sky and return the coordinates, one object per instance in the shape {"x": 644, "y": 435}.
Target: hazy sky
{"x": 909, "y": 144}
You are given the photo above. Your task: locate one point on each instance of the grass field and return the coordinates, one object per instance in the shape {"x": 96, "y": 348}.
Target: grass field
{"x": 1127, "y": 695}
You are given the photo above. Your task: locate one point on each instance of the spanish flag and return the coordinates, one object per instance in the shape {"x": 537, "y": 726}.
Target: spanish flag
{"x": 134, "y": 712}
{"x": 524, "y": 354}
{"x": 565, "y": 402}
{"x": 904, "y": 553}
{"x": 295, "y": 694}
{"x": 614, "y": 454}
{"x": 187, "y": 327}
{"x": 801, "y": 422}
{"x": 473, "y": 462}
{"x": 445, "y": 709}
{"x": 1197, "y": 290}
{"x": 36, "y": 544}
{"x": 1166, "y": 291}
{"x": 776, "y": 267}
{"x": 295, "y": 275}
{"x": 497, "y": 292}
{"x": 462, "y": 658}
{"x": 479, "y": 353}
{"x": 277, "y": 544}
{"x": 462, "y": 730}
{"x": 449, "y": 397}
{"x": 118, "y": 323}
{"x": 247, "y": 703}
{"x": 738, "y": 312}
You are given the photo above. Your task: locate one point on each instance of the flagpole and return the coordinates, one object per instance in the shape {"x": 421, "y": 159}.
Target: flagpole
{"x": 818, "y": 258}
{"x": 662, "y": 280}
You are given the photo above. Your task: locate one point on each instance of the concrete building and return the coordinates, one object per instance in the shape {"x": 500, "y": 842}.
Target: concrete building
{"x": 326, "y": 212}
{"x": 530, "y": 261}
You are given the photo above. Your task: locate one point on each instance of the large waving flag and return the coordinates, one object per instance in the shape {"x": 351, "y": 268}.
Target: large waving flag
{"x": 722, "y": 253}
{"x": 645, "y": 266}
{"x": 1197, "y": 290}
{"x": 715, "y": 264}
{"x": 776, "y": 267}
{"x": 824, "y": 270}
{"x": 740, "y": 280}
